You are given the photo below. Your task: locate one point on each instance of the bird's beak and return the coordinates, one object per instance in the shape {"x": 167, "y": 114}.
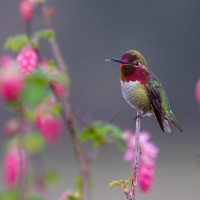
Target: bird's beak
{"x": 115, "y": 60}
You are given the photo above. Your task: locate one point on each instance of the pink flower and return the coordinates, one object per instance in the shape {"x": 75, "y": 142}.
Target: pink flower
{"x": 11, "y": 80}
{"x": 58, "y": 89}
{"x": 11, "y": 166}
{"x": 49, "y": 124}
{"x": 197, "y": 91}
{"x": 26, "y": 9}
{"x": 27, "y": 60}
{"x": 145, "y": 178}
{"x": 149, "y": 153}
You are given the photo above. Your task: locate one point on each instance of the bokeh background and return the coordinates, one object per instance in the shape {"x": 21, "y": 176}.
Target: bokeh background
{"x": 167, "y": 34}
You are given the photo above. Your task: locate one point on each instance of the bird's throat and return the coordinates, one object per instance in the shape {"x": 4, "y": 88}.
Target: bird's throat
{"x": 130, "y": 73}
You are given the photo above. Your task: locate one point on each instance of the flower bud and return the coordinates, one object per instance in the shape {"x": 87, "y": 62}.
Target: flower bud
{"x": 26, "y": 9}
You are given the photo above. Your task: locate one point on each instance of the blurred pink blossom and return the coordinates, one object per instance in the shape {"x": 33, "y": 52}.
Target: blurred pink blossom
{"x": 11, "y": 79}
{"x": 26, "y": 9}
{"x": 149, "y": 153}
{"x": 27, "y": 60}
{"x": 145, "y": 178}
{"x": 11, "y": 166}
{"x": 58, "y": 89}
{"x": 197, "y": 91}
{"x": 50, "y": 125}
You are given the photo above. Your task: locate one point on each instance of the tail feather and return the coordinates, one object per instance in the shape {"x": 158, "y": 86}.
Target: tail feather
{"x": 177, "y": 125}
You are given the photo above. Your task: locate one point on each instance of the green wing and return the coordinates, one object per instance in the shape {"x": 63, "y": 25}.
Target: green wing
{"x": 159, "y": 102}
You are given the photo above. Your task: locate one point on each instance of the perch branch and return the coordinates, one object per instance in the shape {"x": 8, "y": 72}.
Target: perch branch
{"x": 132, "y": 193}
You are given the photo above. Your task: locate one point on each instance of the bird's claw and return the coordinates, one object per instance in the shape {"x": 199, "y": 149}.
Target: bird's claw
{"x": 137, "y": 116}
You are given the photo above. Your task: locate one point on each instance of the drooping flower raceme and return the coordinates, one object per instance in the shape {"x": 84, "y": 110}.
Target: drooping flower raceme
{"x": 48, "y": 123}
{"x": 11, "y": 79}
{"x": 197, "y": 91}
{"x": 147, "y": 160}
{"x": 12, "y": 166}
{"x": 27, "y": 60}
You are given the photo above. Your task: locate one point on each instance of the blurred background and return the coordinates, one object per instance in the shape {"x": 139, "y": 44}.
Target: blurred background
{"x": 167, "y": 34}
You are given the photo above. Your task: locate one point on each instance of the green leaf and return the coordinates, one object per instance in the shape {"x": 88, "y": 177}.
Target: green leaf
{"x": 51, "y": 177}
{"x": 86, "y": 134}
{"x": 45, "y": 34}
{"x": 100, "y": 133}
{"x": 36, "y": 88}
{"x": 9, "y": 195}
{"x": 72, "y": 197}
{"x": 56, "y": 110}
{"x": 15, "y": 43}
{"x": 34, "y": 142}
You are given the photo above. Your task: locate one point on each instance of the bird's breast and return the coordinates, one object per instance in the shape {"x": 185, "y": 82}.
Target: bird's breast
{"x": 135, "y": 94}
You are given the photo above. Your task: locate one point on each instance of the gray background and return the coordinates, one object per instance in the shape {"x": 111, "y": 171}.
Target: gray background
{"x": 167, "y": 34}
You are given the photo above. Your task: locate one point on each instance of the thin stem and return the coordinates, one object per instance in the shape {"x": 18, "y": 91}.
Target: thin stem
{"x": 67, "y": 113}
{"x": 132, "y": 194}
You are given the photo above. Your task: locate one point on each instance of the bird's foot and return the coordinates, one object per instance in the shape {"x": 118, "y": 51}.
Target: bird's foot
{"x": 137, "y": 116}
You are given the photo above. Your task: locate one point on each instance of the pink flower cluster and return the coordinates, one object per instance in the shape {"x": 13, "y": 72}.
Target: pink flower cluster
{"x": 11, "y": 79}
{"x": 197, "y": 91}
{"x": 11, "y": 166}
{"x": 27, "y": 60}
{"x": 50, "y": 125}
{"x": 149, "y": 153}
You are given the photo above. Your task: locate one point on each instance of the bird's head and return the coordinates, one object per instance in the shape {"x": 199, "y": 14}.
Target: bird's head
{"x": 133, "y": 66}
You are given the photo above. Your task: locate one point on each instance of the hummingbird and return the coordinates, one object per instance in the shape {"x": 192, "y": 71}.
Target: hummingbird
{"x": 143, "y": 91}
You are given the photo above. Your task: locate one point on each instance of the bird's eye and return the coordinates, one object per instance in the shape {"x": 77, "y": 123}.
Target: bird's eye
{"x": 137, "y": 63}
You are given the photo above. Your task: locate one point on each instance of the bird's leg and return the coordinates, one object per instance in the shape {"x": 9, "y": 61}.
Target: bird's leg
{"x": 138, "y": 116}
